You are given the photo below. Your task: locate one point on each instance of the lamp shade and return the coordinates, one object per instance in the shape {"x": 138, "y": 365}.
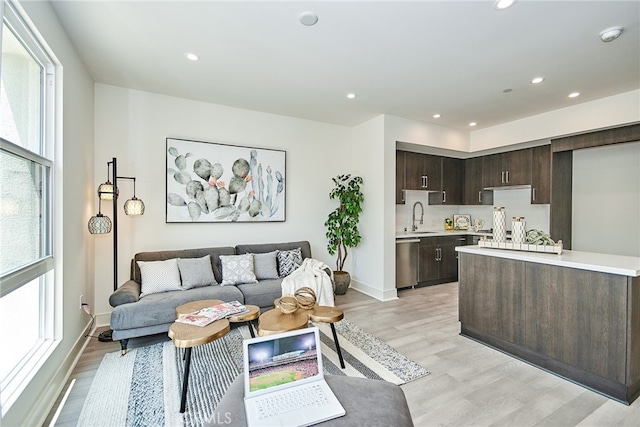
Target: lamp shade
{"x": 106, "y": 191}
{"x": 99, "y": 224}
{"x": 134, "y": 206}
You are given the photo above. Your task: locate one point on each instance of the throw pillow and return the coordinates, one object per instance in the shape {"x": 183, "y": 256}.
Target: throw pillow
{"x": 237, "y": 269}
{"x": 159, "y": 276}
{"x": 266, "y": 265}
{"x": 196, "y": 272}
{"x": 289, "y": 261}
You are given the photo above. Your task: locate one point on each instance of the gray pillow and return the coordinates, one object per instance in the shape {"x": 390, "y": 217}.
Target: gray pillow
{"x": 237, "y": 269}
{"x": 159, "y": 276}
{"x": 266, "y": 265}
{"x": 196, "y": 272}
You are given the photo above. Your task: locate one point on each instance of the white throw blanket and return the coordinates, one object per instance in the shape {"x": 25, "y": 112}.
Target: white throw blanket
{"x": 311, "y": 275}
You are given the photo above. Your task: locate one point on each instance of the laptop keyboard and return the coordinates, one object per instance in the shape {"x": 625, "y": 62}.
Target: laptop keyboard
{"x": 287, "y": 401}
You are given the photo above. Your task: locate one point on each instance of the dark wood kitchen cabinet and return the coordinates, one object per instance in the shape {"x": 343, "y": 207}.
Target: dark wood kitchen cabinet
{"x": 541, "y": 175}
{"x": 452, "y": 182}
{"x": 422, "y": 171}
{"x": 507, "y": 169}
{"x": 473, "y": 193}
{"x": 400, "y": 186}
{"x": 438, "y": 260}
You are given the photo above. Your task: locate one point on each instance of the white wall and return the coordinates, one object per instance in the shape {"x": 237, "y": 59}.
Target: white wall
{"x": 73, "y": 206}
{"x": 606, "y": 200}
{"x": 133, "y": 126}
{"x": 367, "y": 156}
{"x": 611, "y": 111}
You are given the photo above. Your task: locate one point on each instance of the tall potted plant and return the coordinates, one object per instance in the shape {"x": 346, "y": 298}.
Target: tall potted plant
{"x": 342, "y": 225}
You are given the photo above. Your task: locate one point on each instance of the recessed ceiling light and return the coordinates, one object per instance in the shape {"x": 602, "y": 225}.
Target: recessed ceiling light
{"x": 191, "y": 56}
{"x": 537, "y": 80}
{"x": 610, "y": 34}
{"x": 308, "y": 18}
{"x": 503, "y": 4}
{"x": 574, "y": 95}
{"x": 351, "y": 95}
{"x": 472, "y": 124}
{"x": 436, "y": 116}
{"x": 507, "y": 90}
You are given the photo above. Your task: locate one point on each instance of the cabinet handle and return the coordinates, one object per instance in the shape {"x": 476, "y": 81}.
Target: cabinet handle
{"x": 502, "y": 177}
{"x": 480, "y": 196}
{"x": 444, "y": 197}
{"x": 402, "y": 195}
{"x": 426, "y": 181}
{"x": 507, "y": 177}
{"x": 533, "y": 194}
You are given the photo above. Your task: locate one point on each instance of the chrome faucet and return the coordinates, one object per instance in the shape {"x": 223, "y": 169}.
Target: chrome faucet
{"x": 413, "y": 217}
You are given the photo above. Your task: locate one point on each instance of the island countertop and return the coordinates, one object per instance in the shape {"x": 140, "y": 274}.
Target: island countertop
{"x": 604, "y": 263}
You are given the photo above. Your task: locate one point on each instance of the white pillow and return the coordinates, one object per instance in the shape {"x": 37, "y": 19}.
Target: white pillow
{"x": 237, "y": 269}
{"x": 266, "y": 265}
{"x": 196, "y": 272}
{"x": 159, "y": 276}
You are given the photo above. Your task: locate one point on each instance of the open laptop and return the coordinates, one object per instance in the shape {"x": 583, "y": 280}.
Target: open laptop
{"x": 284, "y": 383}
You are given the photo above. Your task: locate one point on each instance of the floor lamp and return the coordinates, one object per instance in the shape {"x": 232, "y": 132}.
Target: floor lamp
{"x": 102, "y": 224}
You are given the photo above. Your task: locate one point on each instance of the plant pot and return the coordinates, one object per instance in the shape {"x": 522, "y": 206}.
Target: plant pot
{"x": 341, "y": 282}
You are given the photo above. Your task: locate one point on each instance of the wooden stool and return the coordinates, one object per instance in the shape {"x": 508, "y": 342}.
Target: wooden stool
{"x": 188, "y": 336}
{"x": 252, "y": 313}
{"x": 330, "y": 315}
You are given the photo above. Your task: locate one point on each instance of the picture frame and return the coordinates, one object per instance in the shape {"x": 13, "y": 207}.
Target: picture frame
{"x": 214, "y": 182}
{"x": 462, "y": 222}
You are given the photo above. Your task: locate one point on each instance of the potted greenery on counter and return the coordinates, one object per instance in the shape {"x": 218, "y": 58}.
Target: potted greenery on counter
{"x": 342, "y": 225}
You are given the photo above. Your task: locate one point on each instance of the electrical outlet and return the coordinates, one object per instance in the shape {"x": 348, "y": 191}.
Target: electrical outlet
{"x": 81, "y": 297}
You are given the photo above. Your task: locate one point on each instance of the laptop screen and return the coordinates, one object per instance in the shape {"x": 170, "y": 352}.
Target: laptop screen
{"x": 282, "y": 359}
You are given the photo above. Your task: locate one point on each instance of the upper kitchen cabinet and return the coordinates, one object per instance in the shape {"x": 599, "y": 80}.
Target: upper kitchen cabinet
{"x": 541, "y": 175}
{"x": 507, "y": 169}
{"x": 422, "y": 172}
{"x": 473, "y": 193}
{"x": 452, "y": 180}
{"x": 400, "y": 177}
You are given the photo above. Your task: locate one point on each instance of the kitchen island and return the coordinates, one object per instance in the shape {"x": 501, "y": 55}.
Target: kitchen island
{"x": 576, "y": 314}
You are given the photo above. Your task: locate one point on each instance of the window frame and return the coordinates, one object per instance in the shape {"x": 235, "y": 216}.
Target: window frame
{"x": 46, "y": 268}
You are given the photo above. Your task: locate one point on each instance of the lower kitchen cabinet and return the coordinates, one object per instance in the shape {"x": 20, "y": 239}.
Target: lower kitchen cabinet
{"x": 438, "y": 262}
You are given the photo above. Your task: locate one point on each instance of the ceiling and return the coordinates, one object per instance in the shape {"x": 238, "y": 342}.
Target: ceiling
{"x": 462, "y": 59}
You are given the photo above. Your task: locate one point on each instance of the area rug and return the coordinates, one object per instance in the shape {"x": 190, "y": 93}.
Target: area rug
{"x": 143, "y": 387}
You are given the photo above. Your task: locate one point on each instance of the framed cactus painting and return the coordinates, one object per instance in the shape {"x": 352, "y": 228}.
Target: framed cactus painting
{"x": 212, "y": 182}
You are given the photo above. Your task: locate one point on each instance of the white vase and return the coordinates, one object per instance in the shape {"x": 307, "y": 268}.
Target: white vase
{"x": 499, "y": 224}
{"x": 518, "y": 233}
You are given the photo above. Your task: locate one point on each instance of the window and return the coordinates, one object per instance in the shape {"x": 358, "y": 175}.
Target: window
{"x": 26, "y": 235}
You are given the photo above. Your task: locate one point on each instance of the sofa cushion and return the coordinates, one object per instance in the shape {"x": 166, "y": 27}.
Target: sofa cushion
{"x": 237, "y": 269}
{"x": 289, "y": 261}
{"x": 263, "y": 293}
{"x": 196, "y": 272}
{"x": 261, "y": 248}
{"x": 157, "y": 309}
{"x": 182, "y": 253}
{"x": 266, "y": 265}
{"x": 159, "y": 276}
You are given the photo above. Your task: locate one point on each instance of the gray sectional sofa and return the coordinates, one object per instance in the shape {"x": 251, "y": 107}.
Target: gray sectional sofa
{"x": 135, "y": 316}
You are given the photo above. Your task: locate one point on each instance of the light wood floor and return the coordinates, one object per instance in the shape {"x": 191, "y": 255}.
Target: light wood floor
{"x": 469, "y": 384}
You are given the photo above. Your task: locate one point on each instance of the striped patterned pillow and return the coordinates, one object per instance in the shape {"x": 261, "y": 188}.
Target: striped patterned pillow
{"x": 289, "y": 261}
{"x": 159, "y": 276}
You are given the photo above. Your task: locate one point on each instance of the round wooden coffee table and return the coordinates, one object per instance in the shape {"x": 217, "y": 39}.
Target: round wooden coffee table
{"x": 330, "y": 315}
{"x": 252, "y": 313}
{"x": 189, "y": 336}
{"x": 275, "y": 321}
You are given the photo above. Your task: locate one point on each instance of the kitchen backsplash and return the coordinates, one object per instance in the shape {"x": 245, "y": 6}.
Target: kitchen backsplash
{"x": 516, "y": 203}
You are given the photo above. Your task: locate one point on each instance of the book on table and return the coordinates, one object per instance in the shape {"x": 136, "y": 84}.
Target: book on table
{"x": 208, "y": 315}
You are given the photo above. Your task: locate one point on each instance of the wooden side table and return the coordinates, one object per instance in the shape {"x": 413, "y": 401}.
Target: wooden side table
{"x": 188, "y": 336}
{"x": 252, "y": 313}
{"x": 330, "y": 315}
{"x": 275, "y": 321}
